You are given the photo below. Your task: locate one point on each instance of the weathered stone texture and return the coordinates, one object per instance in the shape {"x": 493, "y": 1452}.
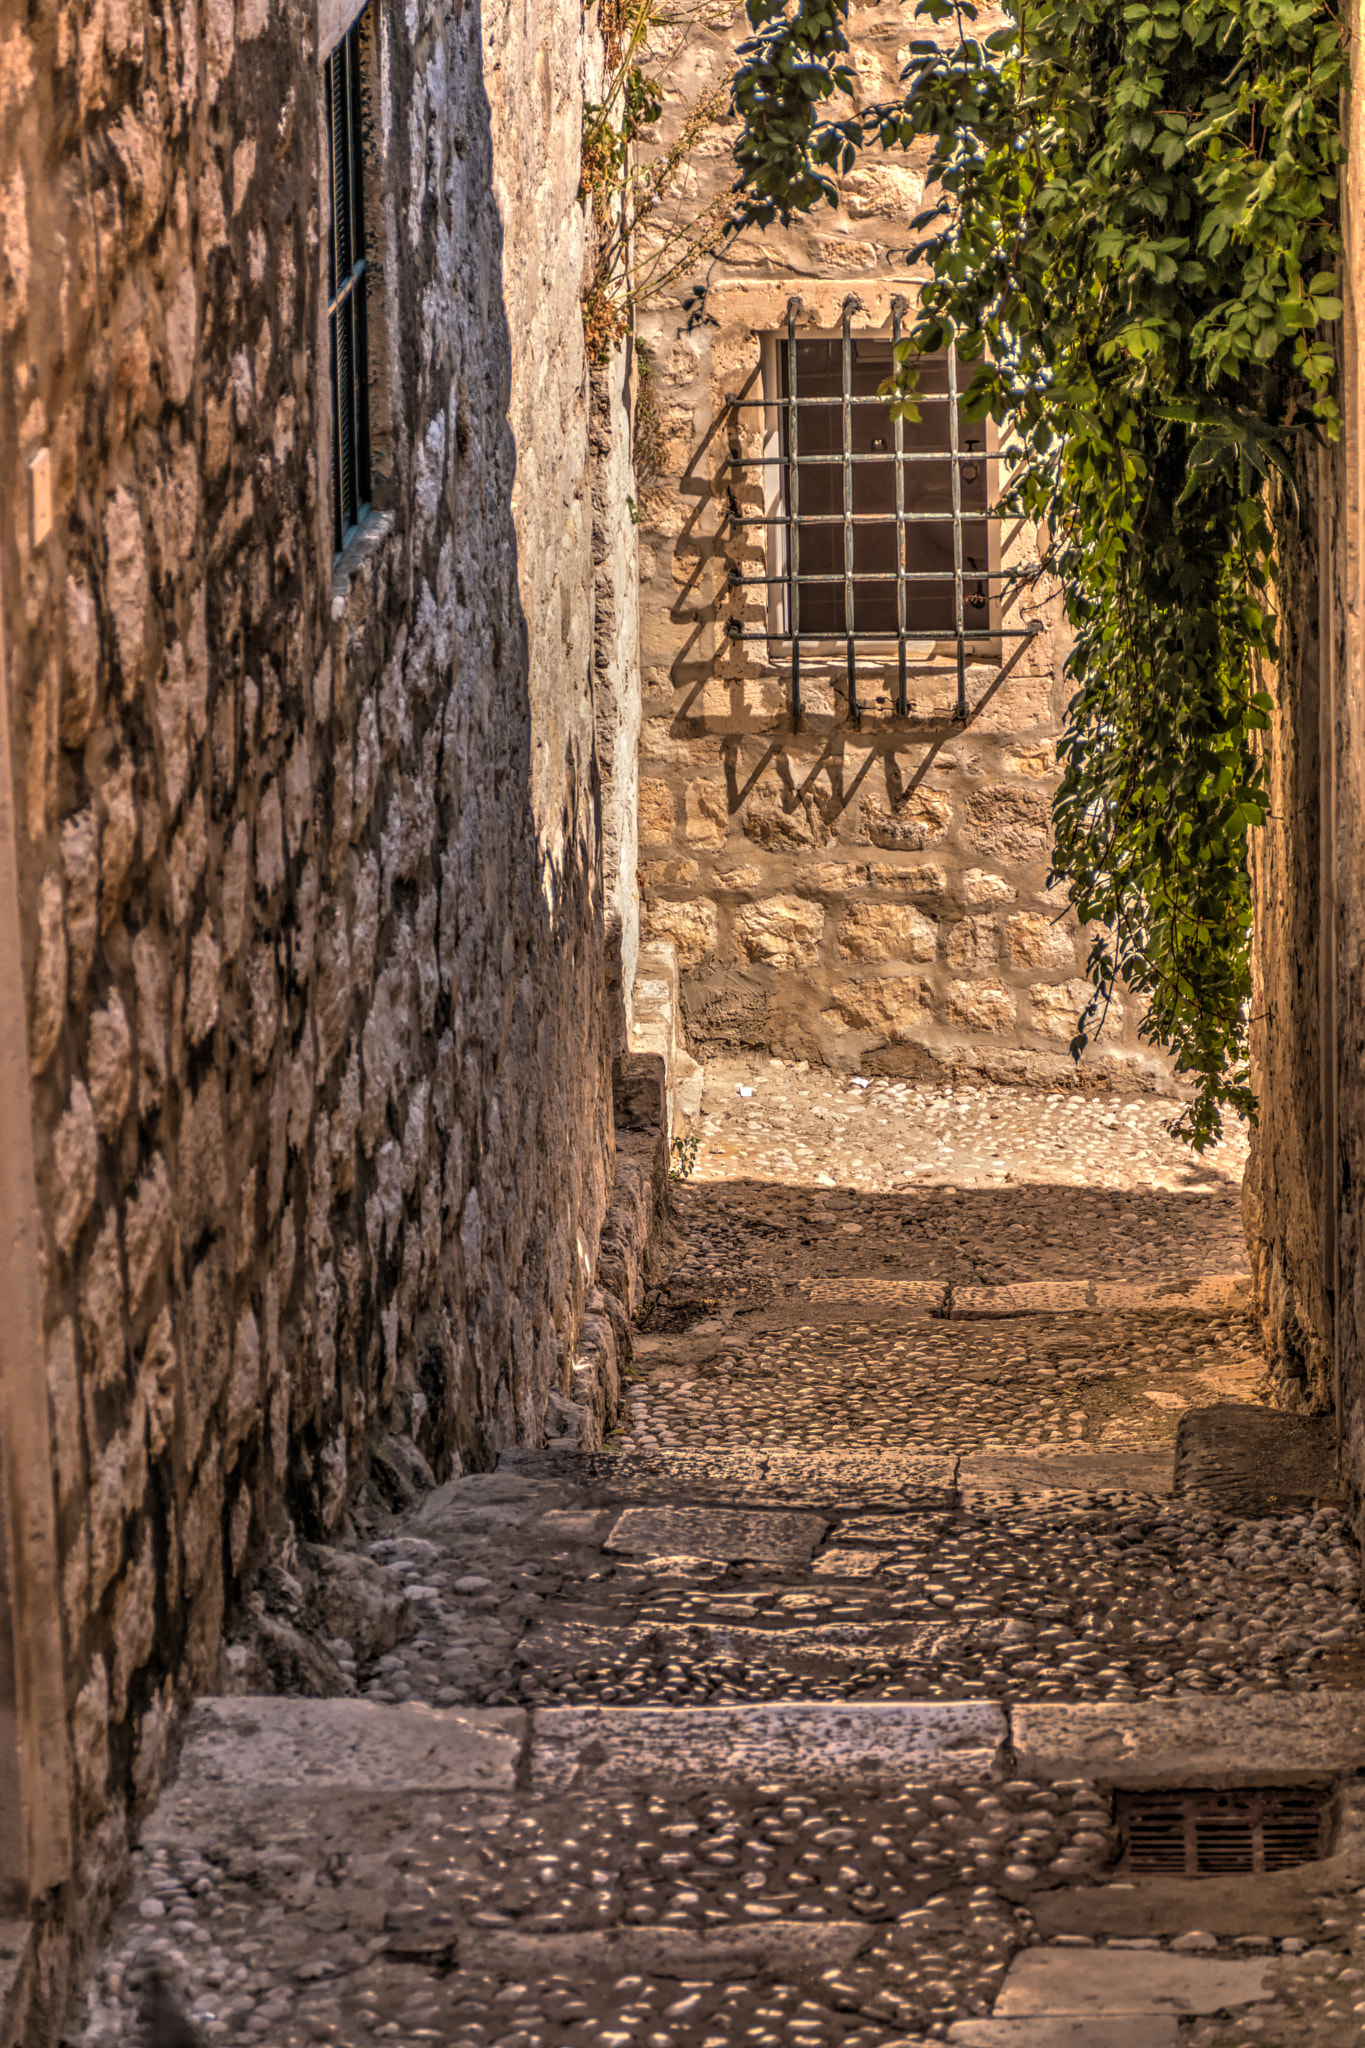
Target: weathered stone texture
{"x": 748, "y": 814}
{"x": 312, "y": 862}
{"x": 1289, "y": 1173}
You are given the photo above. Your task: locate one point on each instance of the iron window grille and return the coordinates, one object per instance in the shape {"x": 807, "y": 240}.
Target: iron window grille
{"x": 348, "y": 283}
{"x": 880, "y": 530}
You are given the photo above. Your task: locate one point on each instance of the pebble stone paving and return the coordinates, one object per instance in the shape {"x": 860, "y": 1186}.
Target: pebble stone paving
{"x": 946, "y": 1502}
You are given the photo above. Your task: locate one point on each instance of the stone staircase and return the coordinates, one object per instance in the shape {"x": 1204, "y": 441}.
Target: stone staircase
{"x": 802, "y": 1712}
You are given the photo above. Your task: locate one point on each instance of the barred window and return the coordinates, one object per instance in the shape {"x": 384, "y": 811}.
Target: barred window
{"x": 348, "y": 73}
{"x": 880, "y": 533}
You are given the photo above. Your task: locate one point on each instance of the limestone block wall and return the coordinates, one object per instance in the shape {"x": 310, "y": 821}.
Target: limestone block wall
{"x": 873, "y": 897}
{"x": 307, "y": 865}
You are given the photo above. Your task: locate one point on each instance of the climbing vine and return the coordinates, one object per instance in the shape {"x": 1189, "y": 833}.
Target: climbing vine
{"x": 645, "y": 233}
{"x": 1130, "y": 232}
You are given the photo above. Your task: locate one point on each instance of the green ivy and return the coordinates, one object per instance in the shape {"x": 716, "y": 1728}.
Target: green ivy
{"x": 1131, "y": 232}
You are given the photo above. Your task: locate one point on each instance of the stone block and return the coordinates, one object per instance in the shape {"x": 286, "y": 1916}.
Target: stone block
{"x": 780, "y": 931}
{"x": 1252, "y": 1461}
{"x": 898, "y": 1006}
{"x": 979, "y": 886}
{"x": 706, "y": 817}
{"x": 716, "y": 1533}
{"x": 351, "y": 1597}
{"x": 779, "y": 1948}
{"x": 676, "y": 873}
{"x": 1009, "y": 823}
{"x": 202, "y": 1001}
{"x": 980, "y": 1006}
{"x": 693, "y": 928}
{"x": 582, "y": 1747}
{"x": 80, "y": 865}
{"x": 741, "y": 879}
{"x": 1035, "y": 940}
{"x": 657, "y": 820}
{"x": 1282, "y": 1740}
{"x": 1110, "y": 1983}
{"x": 887, "y": 931}
{"x": 1038, "y": 758}
{"x": 148, "y": 1222}
{"x": 244, "y": 1750}
{"x": 922, "y": 819}
{"x": 47, "y": 1009}
{"x": 974, "y": 944}
{"x": 782, "y": 824}
{"x": 923, "y": 880}
{"x": 75, "y": 1156}
{"x": 1055, "y": 1008}
{"x": 1061, "y": 2031}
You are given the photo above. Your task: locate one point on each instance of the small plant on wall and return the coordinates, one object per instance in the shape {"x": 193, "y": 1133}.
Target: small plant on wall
{"x": 645, "y": 234}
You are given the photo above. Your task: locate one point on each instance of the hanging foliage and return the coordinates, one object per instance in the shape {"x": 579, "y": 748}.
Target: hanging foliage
{"x": 1130, "y": 231}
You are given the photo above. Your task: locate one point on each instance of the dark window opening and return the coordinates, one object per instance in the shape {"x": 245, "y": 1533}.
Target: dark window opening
{"x": 348, "y": 282}
{"x": 840, "y": 495}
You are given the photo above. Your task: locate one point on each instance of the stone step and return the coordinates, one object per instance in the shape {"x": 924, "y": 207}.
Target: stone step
{"x": 274, "y": 1748}
{"x": 1216, "y": 1294}
{"x": 1113, "y": 1983}
{"x": 862, "y": 1478}
{"x": 850, "y": 1743}
{"x": 1052, "y": 2031}
{"x": 1279, "y": 1739}
{"x": 555, "y": 1644}
{"x": 240, "y": 1747}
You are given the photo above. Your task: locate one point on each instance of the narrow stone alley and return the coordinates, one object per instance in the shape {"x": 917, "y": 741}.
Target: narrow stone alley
{"x": 894, "y": 1674}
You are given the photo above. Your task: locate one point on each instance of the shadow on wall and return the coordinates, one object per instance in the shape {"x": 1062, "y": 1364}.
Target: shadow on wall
{"x": 319, "y": 1092}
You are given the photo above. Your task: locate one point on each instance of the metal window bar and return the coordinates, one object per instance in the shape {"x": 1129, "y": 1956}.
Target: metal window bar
{"x": 348, "y": 287}
{"x": 899, "y": 307}
{"x": 791, "y": 519}
{"x": 792, "y": 494}
{"x": 846, "y": 423}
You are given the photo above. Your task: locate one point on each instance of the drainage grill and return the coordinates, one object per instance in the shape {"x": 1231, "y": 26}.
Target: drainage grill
{"x": 1256, "y": 1828}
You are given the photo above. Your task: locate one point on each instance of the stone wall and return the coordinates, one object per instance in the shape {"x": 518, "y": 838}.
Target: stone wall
{"x": 875, "y": 898}
{"x": 1305, "y": 1187}
{"x": 309, "y": 883}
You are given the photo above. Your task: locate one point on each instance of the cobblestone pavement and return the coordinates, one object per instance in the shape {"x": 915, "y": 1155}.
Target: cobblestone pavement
{"x": 805, "y": 1711}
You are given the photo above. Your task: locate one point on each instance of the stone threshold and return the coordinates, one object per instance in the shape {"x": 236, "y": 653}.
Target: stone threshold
{"x": 245, "y": 1748}
{"x": 1211, "y": 1295}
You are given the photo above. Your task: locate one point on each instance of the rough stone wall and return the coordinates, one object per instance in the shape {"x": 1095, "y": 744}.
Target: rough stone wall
{"x": 1305, "y": 1187}
{"x": 823, "y": 908}
{"x": 309, "y": 868}
{"x": 1288, "y": 1175}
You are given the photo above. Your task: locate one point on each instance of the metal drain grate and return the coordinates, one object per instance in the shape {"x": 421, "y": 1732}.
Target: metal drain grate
{"x": 1194, "y": 1833}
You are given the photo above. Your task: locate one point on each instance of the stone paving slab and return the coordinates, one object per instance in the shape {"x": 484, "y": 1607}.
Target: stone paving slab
{"x": 720, "y": 1533}
{"x": 558, "y": 1642}
{"x": 1187, "y": 1741}
{"x": 1244, "y": 1460}
{"x": 666, "y": 1747}
{"x": 1115, "y": 1982}
{"x": 1069, "y": 1472}
{"x": 1209, "y": 1295}
{"x": 1053, "y": 2031}
{"x": 751, "y": 1478}
{"x": 670, "y": 1951}
{"x": 1218, "y": 1295}
{"x": 245, "y": 1747}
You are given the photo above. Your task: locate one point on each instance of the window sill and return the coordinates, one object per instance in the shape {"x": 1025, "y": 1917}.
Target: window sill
{"x": 359, "y": 551}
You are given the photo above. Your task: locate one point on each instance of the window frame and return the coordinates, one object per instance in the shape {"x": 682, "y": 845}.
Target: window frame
{"x": 772, "y": 466}
{"x": 347, "y": 282}
{"x": 929, "y": 648}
